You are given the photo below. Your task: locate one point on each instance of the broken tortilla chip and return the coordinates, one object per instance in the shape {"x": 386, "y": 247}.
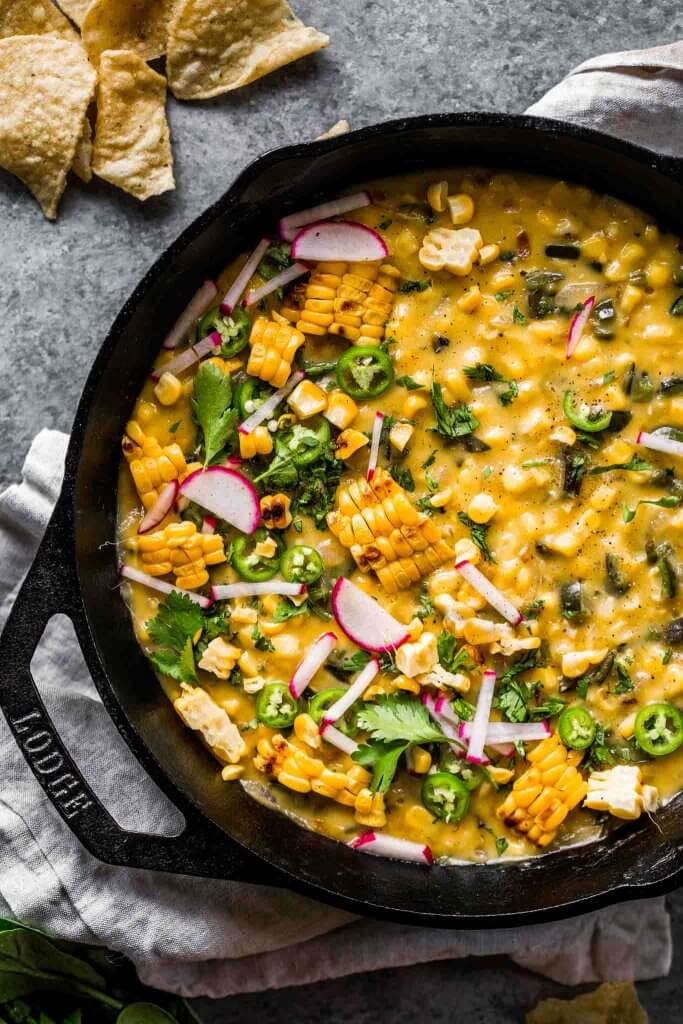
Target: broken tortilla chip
{"x": 75, "y": 9}
{"x": 215, "y": 46}
{"x": 34, "y": 18}
{"x": 616, "y": 1002}
{"x": 82, "y": 165}
{"x": 46, "y": 85}
{"x": 132, "y": 139}
{"x": 339, "y": 128}
{"x": 137, "y": 25}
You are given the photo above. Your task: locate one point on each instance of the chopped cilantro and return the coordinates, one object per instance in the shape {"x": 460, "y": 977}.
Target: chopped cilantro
{"x": 518, "y": 316}
{"x": 426, "y": 607}
{"x": 635, "y": 465}
{"x": 452, "y": 658}
{"x": 452, "y": 421}
{"x": 174, "y": 426}
{"x": 408, "y": 383}
{"x": 486, "y": 373}
{"x": 383, "y": 759}
{"x": 478, "y": 532}
{"x": 177, "y": 623}
{"x": 212, "y": 407}
{"x": 402, "y": 476}
{"x": 504, "y": 295}
{"x": 261, "y": 642}
{"x": 415, "y": 286}
{"x": 399, "y": 718}
{"x": 668, "y": 501}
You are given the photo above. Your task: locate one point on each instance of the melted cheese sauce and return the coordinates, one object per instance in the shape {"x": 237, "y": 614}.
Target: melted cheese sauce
{"x": 541, "y": 537}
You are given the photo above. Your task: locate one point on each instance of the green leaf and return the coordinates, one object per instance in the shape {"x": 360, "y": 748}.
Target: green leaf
{"x": 415, "y": 286}
{"x": 668, "y": 501}
{"x": 450, "y": 657}
{"x": 519, "y": 317}
{"x": 30, "y": 962}
{"x": 408, "y": 383}
{"x": 383, "y": 758}
{"x": 478, "y": 532}
{"x": 397, "y": 718}
{"x": 635, "y": 465}
{"x": 211, "y": 404}
{"x": 452, "y": 421}
{"x": 286, "y": 610}
{"x": 144, "y": 1013}
{"x": 76, "y": 1017}
{"x": 402, "y": 476}
{"x": 177, "y": 622}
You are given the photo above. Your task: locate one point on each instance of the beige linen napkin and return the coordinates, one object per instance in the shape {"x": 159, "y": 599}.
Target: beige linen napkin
{"x": 201, "y": 937}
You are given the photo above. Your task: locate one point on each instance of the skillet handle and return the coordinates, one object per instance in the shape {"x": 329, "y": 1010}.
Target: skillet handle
{"x": 50, "y": 587}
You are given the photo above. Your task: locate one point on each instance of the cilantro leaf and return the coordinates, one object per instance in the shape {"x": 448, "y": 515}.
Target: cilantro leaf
{"x": 342, "y": 664}
{"x": 408, "y": 383}
{"x": 635, "y": 465}
{"x": 398, "y": 718}
{"x": 261, "y": 642}
{"x": 402, "y": 476}
{"x": 415, "y": 286}
{"x": 668, "y": 501}
{"x": 211, "y": 404}
{"x": 286, "y": 610}
{"x": 454, "y": 421}
{"x": 177, "y": 623}
{"x": 478, "y": 532}
{"x": 383, "y": 758}
{"x": 485, "y": 373}
{"x": 451, "y": 659}
{"x": 519, "y": 317}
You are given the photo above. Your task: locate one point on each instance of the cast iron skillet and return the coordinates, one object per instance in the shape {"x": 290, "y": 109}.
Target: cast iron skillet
{"x": 227, "y": 834}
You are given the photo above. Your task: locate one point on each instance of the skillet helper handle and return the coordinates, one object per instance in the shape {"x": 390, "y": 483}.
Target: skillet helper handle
{"x": 51, "y": 587}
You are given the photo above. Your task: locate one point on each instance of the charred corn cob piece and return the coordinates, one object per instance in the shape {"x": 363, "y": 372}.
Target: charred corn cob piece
{"x": 385, "y": 532}
{"x": 273, "y": 347}
{"x": 180, "y": 549}
{"x": 290, "y": 764}
{"x": 151, "y": 465}
{"x": 351, "y": 300}
{"x": 544, "y": 795}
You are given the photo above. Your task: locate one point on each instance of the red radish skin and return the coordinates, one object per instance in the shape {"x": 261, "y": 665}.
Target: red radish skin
{"x": 234, "y": 292}
{"x": 338, "y": 739}
{"x": 209, "y": 525}
{"x": 339, "y": 240}
{"x": 660, "y": 443}
{"x": 226, "y": 494}
{"x": 362, "y": 618}
{"x": 311, "y": 663}
{"x": 379, "y": 844}
{"x": 196, "y": 308}
{"x": 293, "y": 222}
{"x": 154, "y": 583}
{"x": 161, "y": 507}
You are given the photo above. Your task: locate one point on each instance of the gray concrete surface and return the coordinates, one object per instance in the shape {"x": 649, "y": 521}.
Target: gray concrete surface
{"x": 62, "y": 284}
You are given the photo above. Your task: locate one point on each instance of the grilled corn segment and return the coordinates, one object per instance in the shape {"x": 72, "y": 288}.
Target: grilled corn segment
{"x": 385, "y": 532}
{"x": 351, "y": 300}
{"x": 544, "y": 795}
{"x": 275, "y": 511}
{"x": 273, "y": 347}
{"x": 181, "y": 549}
{"x": 288, "y": 762}
{"x": 151, "y": 465}
{"x": 258, "y": 441}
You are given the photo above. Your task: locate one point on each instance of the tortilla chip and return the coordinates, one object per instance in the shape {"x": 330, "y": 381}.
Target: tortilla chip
{"x": 82, "y": 165}
{"x": 34, "y": 18}
{"x": 612, "y": 1003}
{"x": 137, "y": 25}
{"x": 46, "y": 85}
{"x": 340, "y": 128}
{"x": 132, "y": 140}
{"x": 215, "y": 46}
{"x": 75, "y": 9}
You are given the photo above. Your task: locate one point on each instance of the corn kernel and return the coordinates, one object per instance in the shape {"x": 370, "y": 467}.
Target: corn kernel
{"x": 169, "y": 389}
{"x": 437, "y": 195}
{"x": 307, "y": 399}
{"x": 412, "y": 405}
{"x": 489, "y": 253}
{"x": 470, "y": 301}
{"x": 482, "y": 508}
{"x": 461, "y": 208}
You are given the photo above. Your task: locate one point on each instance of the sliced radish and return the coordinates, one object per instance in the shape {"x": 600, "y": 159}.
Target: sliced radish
{"x": 234, "y": 292}
{"x": 154, "y": 583}
{"x": 364, "y": 620}
{"x": 225, "y": 493}
{"x": 480, "y": 722}
{"x": 226, "y": 591}
{"x": 314, "y": 658}
{"x": 339, "y": 240}
{"x": 190, "y": 356}
{"x": 338, "y": 739}
{"x": 267, "y": 408}
{"x": 487, "y": 590}
{"x": 448, "y": 723}
{"x": 197, "y": 306}
{"x": 508, "y": 732}
{"x": 660, "y": 443}
{"x": 355, "y": 690}
{"x": 293, "y": 222}
{"x": 578, "y": 325}
{"x": 374, "y": 445}
{"x": 381, "y": 845}
{"x": 209, "y": 524}
{"x": 161, "y": 507}
{"x": 279, "y": 281}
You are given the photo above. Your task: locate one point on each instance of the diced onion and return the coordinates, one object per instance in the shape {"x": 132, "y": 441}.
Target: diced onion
{"x": 197, "y": 306}
{"x": 267, "y": 408}
{"x": 487, "y": 590}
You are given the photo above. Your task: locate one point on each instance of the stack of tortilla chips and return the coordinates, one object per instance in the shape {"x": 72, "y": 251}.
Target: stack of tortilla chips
{"x": 54, "y": 64}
